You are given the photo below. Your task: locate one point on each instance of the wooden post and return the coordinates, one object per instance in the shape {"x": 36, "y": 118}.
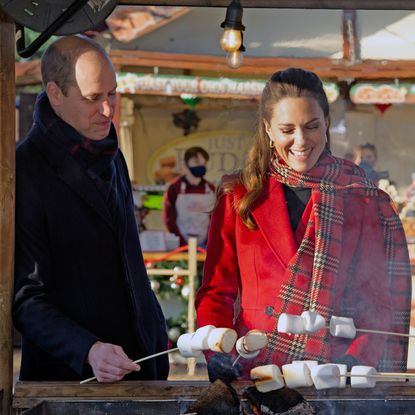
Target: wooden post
{"x": 7, "y": 193}
{"x": 191, "y": 313}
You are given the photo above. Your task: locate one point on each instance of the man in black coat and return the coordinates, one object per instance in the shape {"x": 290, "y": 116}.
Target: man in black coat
{"x": 82, "y": 301}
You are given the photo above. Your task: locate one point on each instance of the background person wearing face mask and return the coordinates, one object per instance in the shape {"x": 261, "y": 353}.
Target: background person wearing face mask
{"x": 189, "y": 199}
{"x": 299, "y": 229}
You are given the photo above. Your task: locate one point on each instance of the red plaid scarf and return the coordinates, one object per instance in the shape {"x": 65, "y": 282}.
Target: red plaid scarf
{"x": 312, "y": 272}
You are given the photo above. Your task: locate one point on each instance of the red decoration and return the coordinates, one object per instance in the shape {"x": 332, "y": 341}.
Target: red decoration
{"x": 180, "y": 281}
{"x": 382, "y": 107}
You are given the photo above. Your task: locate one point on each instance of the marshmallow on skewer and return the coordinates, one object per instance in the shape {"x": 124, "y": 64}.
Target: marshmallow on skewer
{"x": 342, "y": 327}
{"x": 343, "y": 374}
{"x": 242, "y": 351}
{"x": 362, "y": 381}
{"x": 222, "y": 340}
{"x": 326, "y": 376}
{"x": 289, "y": 323}
{"x": 313, "y": 321}
{"x": 184, "y": 343}
{"x": 297, "y": 375}
{"x": 255, "y": 340}
{"x": 309, "y": 363}
{"x": 200, "y": 338}
{"x": 267, "y": 378}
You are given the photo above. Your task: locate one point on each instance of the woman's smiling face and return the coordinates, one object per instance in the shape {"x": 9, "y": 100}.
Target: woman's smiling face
{"x": 298, "y": 129}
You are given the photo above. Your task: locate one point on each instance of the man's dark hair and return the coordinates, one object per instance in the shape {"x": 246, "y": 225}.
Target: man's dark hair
{"x": 194, "y": 152}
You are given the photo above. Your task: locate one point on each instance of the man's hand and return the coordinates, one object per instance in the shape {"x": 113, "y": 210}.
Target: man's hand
{"x": 109, "y": 362}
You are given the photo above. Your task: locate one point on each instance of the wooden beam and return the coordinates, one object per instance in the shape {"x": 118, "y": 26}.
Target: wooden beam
{"x": 351, "y": 41}
{"x": 264, "y": 67}
{"x": 285, "y": 4}
{"x": 7, "y": 195}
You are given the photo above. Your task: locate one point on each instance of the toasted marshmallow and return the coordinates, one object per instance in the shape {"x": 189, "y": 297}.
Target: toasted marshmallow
{"x": 255, "y": 340}
{"x": 267, "y": 378}
{"x": 297, "y": 375}
{"x": 342, "y": 327}
{"x": 222, "y": 340}
{"x": 242, "y": 351}
{"x": 289, "y": 323}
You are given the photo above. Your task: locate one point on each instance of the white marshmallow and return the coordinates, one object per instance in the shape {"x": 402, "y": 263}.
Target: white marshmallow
{"x": 309, "y": 363}
{"x": 222, "y": 340}
{"x": 200, "y": 338}
{"x": 343, "y": 371}
{"x": 326, "y": 376}
{"x": 184, "y": 343}
{"x": 342, "y": 327}
{"x": 242, "y": 351}
{"x": 313, "y": 321}
{"x": 289, "y": 323}
{"x": 297, "y": 375}
{"x": 267, "y": 378}
{"x": 255, "y": 340}
{"x": 362, "y": 381}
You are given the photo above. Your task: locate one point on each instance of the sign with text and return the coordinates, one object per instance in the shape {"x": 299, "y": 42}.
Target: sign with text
{"x": 227, "y": 150}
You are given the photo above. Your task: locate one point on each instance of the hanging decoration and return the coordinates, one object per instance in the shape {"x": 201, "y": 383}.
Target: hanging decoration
{"x": 382, "y": 107}
{"x": 192, "y": 89}
{"x": 382, "y": 93}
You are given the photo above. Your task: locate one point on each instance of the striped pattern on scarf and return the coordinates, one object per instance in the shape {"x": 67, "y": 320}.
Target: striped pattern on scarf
{"x": 312, "y": 272}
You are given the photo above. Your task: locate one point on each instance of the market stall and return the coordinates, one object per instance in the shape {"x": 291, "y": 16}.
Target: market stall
{"x": 159, "y": 396}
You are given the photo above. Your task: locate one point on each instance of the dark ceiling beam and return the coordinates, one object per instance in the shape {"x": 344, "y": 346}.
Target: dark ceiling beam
{"x": 285, "y": 4}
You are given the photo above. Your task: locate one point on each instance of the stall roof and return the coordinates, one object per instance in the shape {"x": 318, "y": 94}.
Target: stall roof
{"x": 283, "y": 33}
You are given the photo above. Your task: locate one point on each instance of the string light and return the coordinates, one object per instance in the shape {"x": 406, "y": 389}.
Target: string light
{"x": 231, "y": 39}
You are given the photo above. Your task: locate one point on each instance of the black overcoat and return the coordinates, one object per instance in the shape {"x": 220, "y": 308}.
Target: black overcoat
{"x": 79, "y": 274}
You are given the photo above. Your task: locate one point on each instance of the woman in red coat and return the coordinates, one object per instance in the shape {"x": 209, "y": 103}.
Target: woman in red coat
{"x": 299, "y": 229}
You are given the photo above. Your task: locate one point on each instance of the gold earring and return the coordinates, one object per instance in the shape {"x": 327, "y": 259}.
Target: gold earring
{"x": 271, "y": 144}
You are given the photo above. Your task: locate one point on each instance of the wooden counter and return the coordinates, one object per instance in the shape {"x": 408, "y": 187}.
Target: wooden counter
{"x": 385, "y": 398}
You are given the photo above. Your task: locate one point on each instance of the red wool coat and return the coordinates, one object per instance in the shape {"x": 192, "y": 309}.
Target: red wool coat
{"x": 244, "y": 272}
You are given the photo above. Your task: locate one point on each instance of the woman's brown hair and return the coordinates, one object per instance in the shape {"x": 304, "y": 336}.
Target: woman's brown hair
{"x": 293, "y": 83}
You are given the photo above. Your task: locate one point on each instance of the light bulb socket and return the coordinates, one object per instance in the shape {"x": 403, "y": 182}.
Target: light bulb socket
{"x": 233, "y": 19}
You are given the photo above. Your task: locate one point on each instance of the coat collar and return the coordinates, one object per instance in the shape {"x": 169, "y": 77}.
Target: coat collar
{"x": 271, "y": 216}
{"x": 70, "y": 171}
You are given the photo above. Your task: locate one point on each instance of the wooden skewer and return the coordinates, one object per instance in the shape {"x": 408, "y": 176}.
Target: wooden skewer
{"x": 381, "y": 375}
{"x": 236, "y": 361}
{"x": 136, "y": 361}
{"x": 390, "y": 333}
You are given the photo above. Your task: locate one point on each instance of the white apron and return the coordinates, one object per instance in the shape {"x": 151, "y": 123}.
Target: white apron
{"x": 193, "y": 213}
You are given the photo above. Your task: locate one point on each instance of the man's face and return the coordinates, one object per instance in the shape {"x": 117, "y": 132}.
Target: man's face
{"x": 90, "y": 102}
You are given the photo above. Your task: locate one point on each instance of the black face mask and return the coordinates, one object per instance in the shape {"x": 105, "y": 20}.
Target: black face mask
{"x": 198, "y": 171}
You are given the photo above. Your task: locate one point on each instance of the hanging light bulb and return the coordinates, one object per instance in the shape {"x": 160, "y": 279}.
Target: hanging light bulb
{"x": 234, "y": 59}
{"x": 231, "y": 39}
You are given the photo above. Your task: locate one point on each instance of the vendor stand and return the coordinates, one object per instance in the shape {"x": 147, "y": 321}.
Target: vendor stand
{"x": 386, "y": 398}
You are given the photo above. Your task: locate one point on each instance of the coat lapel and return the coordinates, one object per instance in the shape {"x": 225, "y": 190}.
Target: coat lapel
{"x": 271, "y": 215}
